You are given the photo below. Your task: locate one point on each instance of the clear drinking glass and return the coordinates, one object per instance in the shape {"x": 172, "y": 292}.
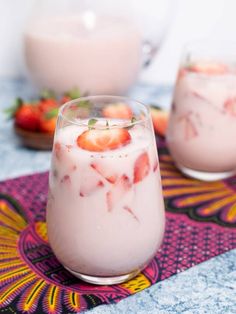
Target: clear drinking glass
{"x": 202, "y": 126}
{"x": 105, "y": 212}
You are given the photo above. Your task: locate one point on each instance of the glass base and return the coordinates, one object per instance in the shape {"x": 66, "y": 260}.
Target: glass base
{"x": 103, "y": 280}
{"x": 205, "y": 176}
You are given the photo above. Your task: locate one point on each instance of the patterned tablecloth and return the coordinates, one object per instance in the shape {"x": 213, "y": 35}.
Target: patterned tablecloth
{"x": 200, "y": 217}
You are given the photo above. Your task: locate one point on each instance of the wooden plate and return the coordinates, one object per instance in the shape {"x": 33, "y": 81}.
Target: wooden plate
{"x": 36, "y": 140}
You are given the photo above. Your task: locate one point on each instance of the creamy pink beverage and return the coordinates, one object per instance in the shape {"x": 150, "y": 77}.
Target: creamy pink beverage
{"x": 97, "y": 54}
{"x": 202, "y": 126}
{"x": 105, "y": 212}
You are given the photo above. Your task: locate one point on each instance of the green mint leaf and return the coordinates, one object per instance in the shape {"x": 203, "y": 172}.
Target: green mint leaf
{"x": 91, "y": 123}
{"x": 133, "y": 119}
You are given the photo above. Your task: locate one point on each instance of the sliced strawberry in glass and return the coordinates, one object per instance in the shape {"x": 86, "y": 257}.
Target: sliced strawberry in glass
{"x": 181, "y": 74}
{"x": 119, "y": 189}
{"x": 130, "y": 211}
{"x": 105, "y": 172}
{"x": 97, "y": 140}
{"x": 141, "y": 167}
{"x": 90, "y": 186}
{"x": 230, "y": 106}
{"x": 57, "y": 150}
{"x": 66, "y": 179}
{"x": 208, "y": 67}
{"x": 155, "y": 167}
{"x": 190, "y": 130}
{"x": 117, "y": 111}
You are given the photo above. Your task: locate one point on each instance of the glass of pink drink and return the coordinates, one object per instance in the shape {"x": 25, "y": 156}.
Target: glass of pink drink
{"x": 202, "y": 126}
{"x": 105, "y": 212}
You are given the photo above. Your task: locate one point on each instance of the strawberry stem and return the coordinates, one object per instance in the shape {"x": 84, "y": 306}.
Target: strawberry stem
{"x": 73, "y": 93}
{"x": 11, "y": 111}
{"x": 51, "y": 113}
{"x": 47, "y": 94}
{"x": 133, "y": 119}
{"x": 153, "y": 106}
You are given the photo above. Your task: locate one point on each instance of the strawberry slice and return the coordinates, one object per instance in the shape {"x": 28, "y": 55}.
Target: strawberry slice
{"x": 141, "y": 167}
{"x": 129, "y": 210}
{"x": 199, "y": 96}
{"x": 181, "y": 74}
{"x": 190, "y": 129}
{"x": 160, "y": 120}
{"x": 110, "y": 201}
{"x": 155, "y": 167}
{"x": 122, "y": 185}
{"x": 91, "y": 182}
{"x": 230, "y": 106}
{"x": 96, "y": 140}
{"x": 104, "y": 172}
{"x": 66, "y": 179}
{"x": 69, "y": 147}
{"x": 55, "y": 173}
{"x": 90, "y": 186}
{"x": 117, "y": 111}
{"x": 208, "y": 67}
{"x": 74, "y": 167}
{"x": 57, "y": 150}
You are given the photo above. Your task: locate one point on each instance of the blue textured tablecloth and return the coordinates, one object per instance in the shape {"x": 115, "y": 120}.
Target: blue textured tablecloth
{"x": 208, "y": 288}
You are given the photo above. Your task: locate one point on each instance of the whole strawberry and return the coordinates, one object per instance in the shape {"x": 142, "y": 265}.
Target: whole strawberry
{"x": 159, "y": 119}
{"x": 47, "y": 120}
{"x": 39, "y": 115}
{"x": 48, "y": 104}
{"x": 27, "y": 117}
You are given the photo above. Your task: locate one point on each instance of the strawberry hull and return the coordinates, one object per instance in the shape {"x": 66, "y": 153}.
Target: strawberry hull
{"x": 109, "y": 221}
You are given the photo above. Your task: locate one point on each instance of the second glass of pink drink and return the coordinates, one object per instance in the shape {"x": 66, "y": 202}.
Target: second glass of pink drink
{"x": 105, "y": 212}
{"x": 202, "y": 126}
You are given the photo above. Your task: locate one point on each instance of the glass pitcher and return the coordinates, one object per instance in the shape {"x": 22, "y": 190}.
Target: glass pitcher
{"x": 96, "y": 46}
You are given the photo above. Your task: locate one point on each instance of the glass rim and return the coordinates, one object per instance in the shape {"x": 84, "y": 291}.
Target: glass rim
{"x": 209, "y": 50}
{"x": 205, "y": 45}
{"x": 115, "y": 98}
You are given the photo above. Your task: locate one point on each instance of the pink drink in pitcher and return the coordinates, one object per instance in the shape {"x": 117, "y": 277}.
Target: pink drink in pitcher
{"x": 95, "y": 54}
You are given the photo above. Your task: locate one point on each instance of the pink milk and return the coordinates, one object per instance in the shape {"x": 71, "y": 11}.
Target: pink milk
{"x": 202, "y": 126}
{"x": 94, "y": 234}
{"x": 99, "y": 55}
